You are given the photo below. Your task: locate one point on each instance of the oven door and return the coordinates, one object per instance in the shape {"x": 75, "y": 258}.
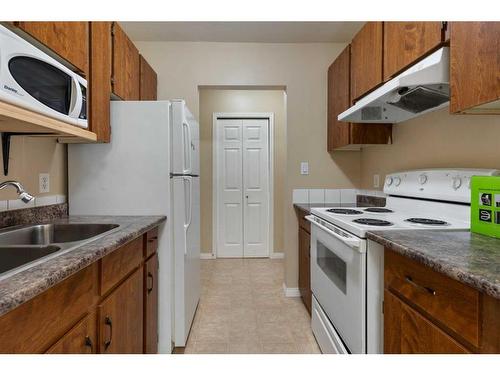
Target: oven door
{"x": 338, "y": 280}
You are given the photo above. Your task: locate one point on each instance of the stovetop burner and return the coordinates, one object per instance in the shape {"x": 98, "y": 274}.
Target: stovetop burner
{"x": 378, "y": 210}
{"x": 344, "y": 211}
{"x": 421, "y": 220}
{"x": 374, "y": 222}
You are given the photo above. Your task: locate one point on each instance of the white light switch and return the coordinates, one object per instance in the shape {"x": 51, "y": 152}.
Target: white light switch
{"x": 376, "y": 180}
{"x": 44, "y": 182}
{"x": 304, "y": 168}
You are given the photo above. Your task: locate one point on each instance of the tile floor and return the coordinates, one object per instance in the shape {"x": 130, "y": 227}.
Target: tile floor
{"x": 243, "y": 310}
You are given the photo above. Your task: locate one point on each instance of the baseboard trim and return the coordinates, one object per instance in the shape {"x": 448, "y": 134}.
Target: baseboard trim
{"x": 291, "y": 292}
{"x": 207, "y": 256}
{"x": 277, "y": 255}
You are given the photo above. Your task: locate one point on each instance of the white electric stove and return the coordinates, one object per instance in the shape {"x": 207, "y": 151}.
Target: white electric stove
{"x": 347, "y": 269}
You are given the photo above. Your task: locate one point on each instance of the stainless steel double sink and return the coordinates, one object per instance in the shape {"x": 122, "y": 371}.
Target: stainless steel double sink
{"x": 23, "y": 245}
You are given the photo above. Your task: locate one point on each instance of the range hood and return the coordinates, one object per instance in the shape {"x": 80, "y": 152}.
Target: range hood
{"x": 422, "y": 88}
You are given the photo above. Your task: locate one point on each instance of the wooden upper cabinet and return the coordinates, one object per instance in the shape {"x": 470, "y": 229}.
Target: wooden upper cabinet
{"x": 148, "y": 80}
{"x": 125, "y": 76}
{"x": 99, "y": 82}
{"x": 70, "y": 40}
{"x": 338, "y": 100}
{"x": 475, "y": 67}
{"x": 366, "y": 59}
{"x": 345, "y": 135}
{"x": 121, "y": 318}
{"x": 407, "y": 42}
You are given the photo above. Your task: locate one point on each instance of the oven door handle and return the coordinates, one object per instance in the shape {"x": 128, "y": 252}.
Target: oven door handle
{"x": 351, "y": 242}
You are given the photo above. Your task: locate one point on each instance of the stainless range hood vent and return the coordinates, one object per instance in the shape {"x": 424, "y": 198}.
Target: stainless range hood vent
{"x": 422, "y": 88}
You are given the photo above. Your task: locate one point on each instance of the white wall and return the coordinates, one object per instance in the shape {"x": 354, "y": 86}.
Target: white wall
{"x": 302, "y": 69}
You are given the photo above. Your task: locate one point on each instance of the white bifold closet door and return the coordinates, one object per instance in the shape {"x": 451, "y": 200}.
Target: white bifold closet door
{"x": 243, "y": 188}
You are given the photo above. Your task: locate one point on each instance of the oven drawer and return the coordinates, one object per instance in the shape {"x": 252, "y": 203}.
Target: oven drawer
{"x": 444, "y": 300}
{"x": 326, "y": 336}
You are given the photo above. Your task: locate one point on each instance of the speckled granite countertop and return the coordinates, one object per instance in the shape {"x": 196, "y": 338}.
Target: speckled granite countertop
{"x": 22, "y": 286}
{"x": 471, "y": 258}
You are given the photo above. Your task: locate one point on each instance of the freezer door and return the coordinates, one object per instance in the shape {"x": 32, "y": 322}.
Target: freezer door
{"x": 185, "y": 139}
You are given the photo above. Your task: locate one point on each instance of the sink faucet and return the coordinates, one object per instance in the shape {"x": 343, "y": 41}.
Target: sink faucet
{"x": 23, "y": 195}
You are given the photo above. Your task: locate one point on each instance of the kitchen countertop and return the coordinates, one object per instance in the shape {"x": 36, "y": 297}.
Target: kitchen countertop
{"x": 23, "y": 286}
{"x": 470, "y": 258}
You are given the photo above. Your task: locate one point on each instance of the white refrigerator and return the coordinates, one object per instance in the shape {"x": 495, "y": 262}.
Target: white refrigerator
{"x": 151, "y": 167}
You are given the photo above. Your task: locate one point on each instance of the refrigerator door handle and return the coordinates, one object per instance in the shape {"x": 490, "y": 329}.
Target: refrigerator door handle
{"x": 187, "y": 148}
{"x": 188, "y": 207}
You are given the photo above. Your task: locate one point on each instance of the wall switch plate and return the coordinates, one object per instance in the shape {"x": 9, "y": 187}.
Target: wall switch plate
{"x": 44, "y": 182}
{"x": 376, "y": 181}
{"x": 304, "y": 168}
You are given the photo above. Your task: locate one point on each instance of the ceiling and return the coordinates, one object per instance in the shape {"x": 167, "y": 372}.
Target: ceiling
{"x": 256, "y": 32}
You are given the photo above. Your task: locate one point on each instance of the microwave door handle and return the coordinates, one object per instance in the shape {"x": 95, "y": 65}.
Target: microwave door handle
{"x": 77, "y": 104}
{"x": 351, "y": 242}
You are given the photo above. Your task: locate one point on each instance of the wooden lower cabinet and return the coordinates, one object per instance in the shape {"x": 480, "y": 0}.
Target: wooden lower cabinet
{"x": 81, "y": 339}
{"x": 111, "y": 306}
{"x": 406, "y": 331}
{"x": 426, "y": 311}
{"x": 121, "y": 319}
{"x": 151, "y": 305}
{"x": 305, "y": 268}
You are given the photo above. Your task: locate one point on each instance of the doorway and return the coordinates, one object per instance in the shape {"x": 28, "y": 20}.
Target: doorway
{"x": 243, "y": 179}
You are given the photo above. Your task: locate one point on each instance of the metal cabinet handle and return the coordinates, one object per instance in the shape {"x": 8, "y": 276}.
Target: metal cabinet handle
{"x": 409, "y": 280}
{"x": 88, "y": 342}
{"x": 150, "y": 277}
{"x": 108, "y": 322}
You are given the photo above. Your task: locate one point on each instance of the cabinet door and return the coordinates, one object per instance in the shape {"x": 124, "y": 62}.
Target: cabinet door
{"x": 407, "y": 332}
{"x": 338, "y": 100}
{"x": 148, "y": 81}
{"x": 125, "y": 65}
{"x": 121, "y": 318}
{"x": 81, "y": 339}
{"x": 304, "y": 268}
{"x": 151, "y": 305}
{"x": 343, "y": 134}
{"x": 406, "y": 42}
{"x": 99, "y": 82}
{"x": 474, "y": 66}
{"x": 366, "y": 59}
{"x": 70, "y": 40}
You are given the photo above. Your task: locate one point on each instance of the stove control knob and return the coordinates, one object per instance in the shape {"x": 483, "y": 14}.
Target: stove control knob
{"x": 422, "y": 179}
{"x": 456, "y": 182}
{"x": 389, "y": 181}
{"x": 397, "y": 181}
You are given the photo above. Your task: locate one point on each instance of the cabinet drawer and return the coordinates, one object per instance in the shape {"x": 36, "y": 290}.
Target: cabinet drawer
{"x": 118, "y": 264}
{"x": 444, "y": 300}
{"x": 151, "y": 242}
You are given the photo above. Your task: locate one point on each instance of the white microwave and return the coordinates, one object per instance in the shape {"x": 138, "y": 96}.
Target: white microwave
{"x": 31, "y": 79}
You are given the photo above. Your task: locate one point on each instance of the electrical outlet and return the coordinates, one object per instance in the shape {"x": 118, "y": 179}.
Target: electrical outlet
{"x": 304, "y": 168}
{"x": 376, "y": 181}
{"x": 44, "y": 182}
